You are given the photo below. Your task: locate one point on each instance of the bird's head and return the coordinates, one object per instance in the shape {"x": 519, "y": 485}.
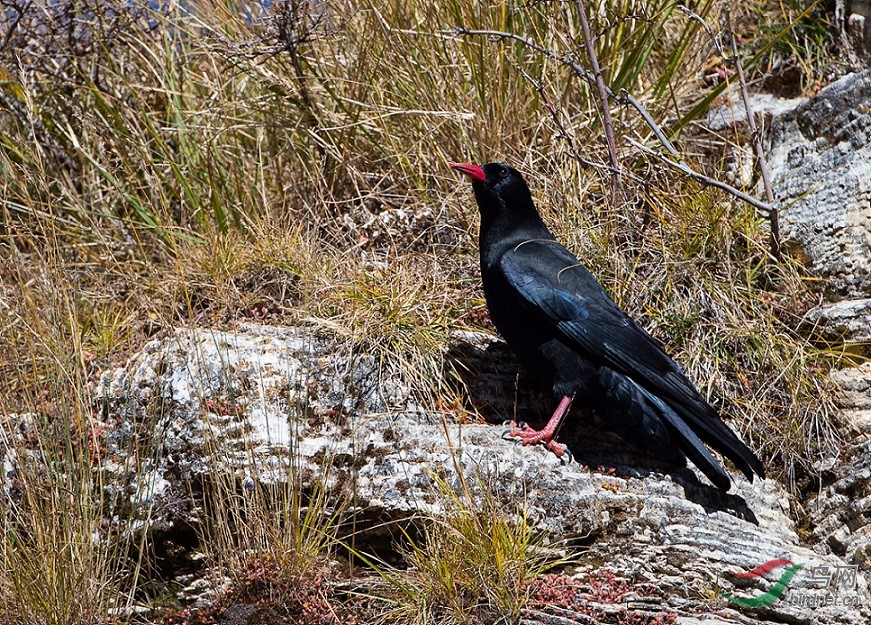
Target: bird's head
{"x": 499, "y": 188}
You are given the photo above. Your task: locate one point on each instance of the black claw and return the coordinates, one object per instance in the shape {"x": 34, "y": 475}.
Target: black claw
{"x": 522, "y": 425}
{"x": 506, "y": 436}
{"x": 508, "y": 423}
{"x": 567, "y": 457}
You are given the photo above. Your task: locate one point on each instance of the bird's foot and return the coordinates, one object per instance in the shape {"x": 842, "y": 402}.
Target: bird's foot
{"x": 524, "y": 434}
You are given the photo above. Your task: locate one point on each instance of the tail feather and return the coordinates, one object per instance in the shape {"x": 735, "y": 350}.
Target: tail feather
{"x": 626, "y": 410}
{"x": 673, "y": 429}
{"x": 691, "y": 445}
{"x": 706, "y": 423}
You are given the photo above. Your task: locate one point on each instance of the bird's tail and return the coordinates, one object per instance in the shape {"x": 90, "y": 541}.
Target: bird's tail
{"x": 626, "y": 409}
{"x": 690, "y": 444}
{"x": 672, "y": 430}
{"x": 710, "y": 428}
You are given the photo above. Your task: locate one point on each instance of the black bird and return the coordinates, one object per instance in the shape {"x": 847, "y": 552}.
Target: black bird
{"x": 571, "y": 336}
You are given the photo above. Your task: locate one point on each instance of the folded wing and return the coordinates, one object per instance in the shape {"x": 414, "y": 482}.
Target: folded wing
{"x": 548, "y": 279}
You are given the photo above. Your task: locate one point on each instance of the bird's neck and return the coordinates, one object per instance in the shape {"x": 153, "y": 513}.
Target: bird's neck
{"x": 504, "y": 230}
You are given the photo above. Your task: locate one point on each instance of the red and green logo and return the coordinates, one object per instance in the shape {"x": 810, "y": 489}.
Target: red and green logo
{"x": 773, "y": 593}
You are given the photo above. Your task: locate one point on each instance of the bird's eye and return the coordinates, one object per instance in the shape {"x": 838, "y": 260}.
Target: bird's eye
{"x": 503, "y": 173}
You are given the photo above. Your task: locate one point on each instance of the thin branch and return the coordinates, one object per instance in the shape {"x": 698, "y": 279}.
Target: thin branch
{"x": 698, "y": 18}
{"x": 607, "y": 123}
{"x": 12, "y": 25}
{"x": 749, "y": 199}
{"x": 765, "y": 207}
{"x": 628, "y": 97}
{"x": 564, "y": 133}
{"x": 757, "y": 141}
{"x": 580, "y": 70}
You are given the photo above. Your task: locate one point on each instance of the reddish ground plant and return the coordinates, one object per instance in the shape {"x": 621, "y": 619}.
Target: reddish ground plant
{"x": 265, "y": 595}
{"x": 587, "y": 596}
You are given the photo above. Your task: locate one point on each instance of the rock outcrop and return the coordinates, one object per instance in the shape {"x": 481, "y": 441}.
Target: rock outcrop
{"x": 820, "y": 159}
{"x": 245, "y": 401}
{"x": 819, "y": 154}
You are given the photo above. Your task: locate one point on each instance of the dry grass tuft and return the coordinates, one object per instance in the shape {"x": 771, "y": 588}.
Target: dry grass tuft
{"x": 473, "y": 562}
{"x": 279, "y": 519}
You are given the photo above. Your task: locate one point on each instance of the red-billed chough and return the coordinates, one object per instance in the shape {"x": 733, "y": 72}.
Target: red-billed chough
{"x": 570, "y": 335}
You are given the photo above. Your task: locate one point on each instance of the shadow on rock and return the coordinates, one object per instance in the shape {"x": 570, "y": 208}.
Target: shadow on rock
{"x": 494, "y": 387}
{"x": 490, "y": 379}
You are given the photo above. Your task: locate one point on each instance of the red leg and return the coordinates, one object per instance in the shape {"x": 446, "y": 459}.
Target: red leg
{"x": 530, "y": 436}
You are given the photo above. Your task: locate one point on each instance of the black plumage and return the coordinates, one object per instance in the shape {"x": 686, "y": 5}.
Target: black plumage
{"x": 570, "y": 335}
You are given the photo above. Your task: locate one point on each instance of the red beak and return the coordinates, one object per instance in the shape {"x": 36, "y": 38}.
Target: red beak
{"x": 472, "y": 171}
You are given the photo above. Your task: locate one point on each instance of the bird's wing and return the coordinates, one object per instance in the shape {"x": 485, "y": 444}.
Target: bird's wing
{"x": 551, "y": 281}
{"x": 548, "y": 279}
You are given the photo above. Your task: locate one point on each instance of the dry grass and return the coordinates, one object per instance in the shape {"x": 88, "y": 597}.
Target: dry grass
{"x": 173, "y": 167}
{"x": 66, "y": 556}
{"x": 296, "y": 528}
{"x": 473, "y": 562}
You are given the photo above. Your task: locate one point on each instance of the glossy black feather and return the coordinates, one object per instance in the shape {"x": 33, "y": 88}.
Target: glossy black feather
{"x": 570, "y": 334}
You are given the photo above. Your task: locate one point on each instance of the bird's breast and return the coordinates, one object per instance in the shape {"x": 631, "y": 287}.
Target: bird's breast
{"x": 519, "y": 326}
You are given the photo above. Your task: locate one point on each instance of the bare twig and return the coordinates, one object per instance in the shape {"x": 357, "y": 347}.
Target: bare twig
{"x": 586, "y": 75}
{"x": 580, "y": 70}
{"x": 774, "y": 225}
{"x": 603, "y": 91}
{"x": 562, "y": 132}
{"x": 627, "y": 97}
{"x": 11, "y": 26}
{"x": 294, "y": 28}
{"x": 698, "y": 18}
{"x": 749, "y": 199}
{"x": 565, "y": 134}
